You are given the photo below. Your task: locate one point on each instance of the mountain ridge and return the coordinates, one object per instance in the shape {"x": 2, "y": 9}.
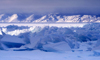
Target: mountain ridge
{"x": 48, "y": 18}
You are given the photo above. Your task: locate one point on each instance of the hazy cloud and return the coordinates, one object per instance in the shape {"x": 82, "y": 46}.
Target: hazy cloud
{"x": 50, "y": 6}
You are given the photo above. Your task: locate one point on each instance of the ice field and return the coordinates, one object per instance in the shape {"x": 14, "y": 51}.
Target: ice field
{"x": 49, "y": 29}
{"x": 45, "y": 24}
{"x": 50, "y": 41}
{"x": 40, "y": 55}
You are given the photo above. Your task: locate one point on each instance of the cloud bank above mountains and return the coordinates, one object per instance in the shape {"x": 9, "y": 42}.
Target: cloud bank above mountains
{"x": 50, "y": 6}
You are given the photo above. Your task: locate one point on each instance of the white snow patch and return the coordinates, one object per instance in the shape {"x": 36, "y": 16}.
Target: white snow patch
{"x": 29, "y": 18}
{"x": 13, "y": 17}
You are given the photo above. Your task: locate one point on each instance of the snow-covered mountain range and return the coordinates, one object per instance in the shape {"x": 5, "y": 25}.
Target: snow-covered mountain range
{"x": 48, "y": 18}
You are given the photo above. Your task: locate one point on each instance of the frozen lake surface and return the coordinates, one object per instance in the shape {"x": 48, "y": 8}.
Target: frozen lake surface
{"x": 40, "y": 55}
{"x": 45, "y": 24}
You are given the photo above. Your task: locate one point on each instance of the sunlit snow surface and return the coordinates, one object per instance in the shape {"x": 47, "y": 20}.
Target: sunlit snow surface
{"x": 71, "y": 41}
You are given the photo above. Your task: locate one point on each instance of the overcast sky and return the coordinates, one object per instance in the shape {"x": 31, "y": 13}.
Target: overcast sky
{"x": 50, "y": 6}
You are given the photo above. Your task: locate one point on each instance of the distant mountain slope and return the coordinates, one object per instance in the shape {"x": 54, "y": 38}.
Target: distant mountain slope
{"x": 48, "y": 18}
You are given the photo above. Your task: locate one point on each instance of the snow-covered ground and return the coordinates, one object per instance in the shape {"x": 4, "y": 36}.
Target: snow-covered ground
{"x": 41, "y": 55}
{"x": 50, "y": 42}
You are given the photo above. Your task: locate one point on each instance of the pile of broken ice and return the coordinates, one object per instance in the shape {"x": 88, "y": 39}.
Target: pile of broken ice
{"x": 53, "y": 39}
